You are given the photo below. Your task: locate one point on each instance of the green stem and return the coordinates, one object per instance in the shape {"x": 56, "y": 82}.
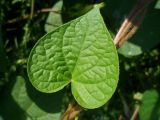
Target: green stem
{"x": 32, "y": 9}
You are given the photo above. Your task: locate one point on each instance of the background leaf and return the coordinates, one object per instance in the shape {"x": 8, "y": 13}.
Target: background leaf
{"x": 54, "y": 19}
{"x": 149, "y": 109}
{"x": 157, "y": 6}
{"x": 32, "y": 104}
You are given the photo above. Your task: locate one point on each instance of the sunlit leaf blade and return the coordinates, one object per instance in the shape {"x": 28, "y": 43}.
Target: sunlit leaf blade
{"x": 96, "y": 72}
{"x": 81, "y": 52}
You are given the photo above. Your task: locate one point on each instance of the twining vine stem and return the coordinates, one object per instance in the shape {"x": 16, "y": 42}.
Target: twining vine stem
{"x": 131, "y": 22}
{"x": 126, "y": 31}
{"x": 72, "y": 111}
{"x": 33, "y": 14}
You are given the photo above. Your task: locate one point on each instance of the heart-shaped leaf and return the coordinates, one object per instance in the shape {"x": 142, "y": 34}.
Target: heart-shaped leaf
{"x": 80, "y": 52}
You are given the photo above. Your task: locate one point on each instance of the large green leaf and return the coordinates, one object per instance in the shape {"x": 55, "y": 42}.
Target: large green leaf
{"x": 80, "y": 52}
{"x": 150, "y": 109}
{"x": 25, "y": 102}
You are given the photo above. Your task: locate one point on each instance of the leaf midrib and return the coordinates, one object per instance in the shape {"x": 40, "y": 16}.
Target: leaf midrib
{"x": 84, "y": 38}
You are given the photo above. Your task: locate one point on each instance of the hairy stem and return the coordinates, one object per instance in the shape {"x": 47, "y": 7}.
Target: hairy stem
{"x": 32, "y": 9}
{"x": 72, "y": 111}
{"x": 129, "y": 22}
{"x": 135, "y": 113}
{"x": 132, "y": 30}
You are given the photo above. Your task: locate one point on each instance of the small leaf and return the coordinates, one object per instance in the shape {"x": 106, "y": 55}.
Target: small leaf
{"x": 20, "y": 101}
{"x": 129, "y": 49}
{"x": 54, "y": 19}
{"x": 149, "y": 109}
{"x": 80, "y": 52}
{"x": 157, "y": 6}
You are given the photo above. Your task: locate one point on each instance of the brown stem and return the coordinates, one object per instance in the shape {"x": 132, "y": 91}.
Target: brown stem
{"x": 32, "y": 9}
{"x": 120, "y": 117}
{"x": 124, "y": 24}
{"x": 129, "y": 21}
{"x": 28, "y": 16}
{"x": 72, "y": 111}
{"x": 135, "y": 113}
{"x": 133, "y": 29}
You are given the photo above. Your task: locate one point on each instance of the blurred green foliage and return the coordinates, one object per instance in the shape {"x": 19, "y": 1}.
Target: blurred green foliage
{"x": 151, "y": 101}
{"x": 139, "y": 60}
